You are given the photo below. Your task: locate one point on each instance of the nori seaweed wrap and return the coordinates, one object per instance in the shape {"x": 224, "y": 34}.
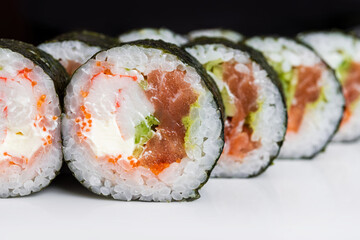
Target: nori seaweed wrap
{"x": 313, "y": 95}
{"x": 255, "y": 110}
{"x": 143, "y": 122}
{"x": 30, "y": 141}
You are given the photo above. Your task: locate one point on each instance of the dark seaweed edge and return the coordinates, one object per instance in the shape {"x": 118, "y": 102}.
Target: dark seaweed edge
{"x": 257, "y": 57}
{"x": 52, "y": 68}
{"x": 134, "y": 30}
{"x": 186, "y": 58}
{"x": 90, "y": 38}
{"x": 339, "y": 90}
{"x": 352, "y": 32}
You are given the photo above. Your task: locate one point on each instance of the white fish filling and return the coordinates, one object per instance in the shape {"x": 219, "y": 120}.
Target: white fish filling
{"x": 179, "y": 180}
{"x": 107, "y": 137}
{"x": 22, "y": 138}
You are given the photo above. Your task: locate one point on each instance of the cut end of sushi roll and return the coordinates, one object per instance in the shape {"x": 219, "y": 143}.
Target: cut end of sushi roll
{"x": 142, "y": 123}
{"x": 216, "y": 33}
{"x": 255, "y": 112}
{"x": 342, "y": 52}
{"x": 75, "y": 48}
{"x": 30, "y": 141}
{"x": 155, "y": 34}
{"x": 313, "y": 95}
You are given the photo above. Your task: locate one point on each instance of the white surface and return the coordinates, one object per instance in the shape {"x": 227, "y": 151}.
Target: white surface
{"x": 318, "y": 199}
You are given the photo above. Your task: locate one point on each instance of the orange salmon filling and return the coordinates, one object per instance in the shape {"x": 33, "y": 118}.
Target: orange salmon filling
{"x": 171, "y": 97}
{"x": 307, "y": 91}
{"x": 351, "y": 90}
{"x": 40, "y": 122}
{"x": 238, "y": 139}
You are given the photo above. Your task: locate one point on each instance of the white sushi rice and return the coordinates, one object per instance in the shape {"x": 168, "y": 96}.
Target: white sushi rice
{"x": 20, "y": 98}
{"x": 179, "y": 181}
{"x": 334, "y": 48}
{"x": 67, "y": 52}
{"x": 319, "y": 122}
{"x": 270, "y": 128}
{"x": 154, "y": 34}
{"x": 216, "y": 33}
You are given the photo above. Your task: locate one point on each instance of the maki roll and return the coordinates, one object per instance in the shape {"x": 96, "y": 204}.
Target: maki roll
{"x": 143, "y": 122}
{"x": 30, "y": 141}
{"x": 313, "y": 95}
{"x": 154, "y": 34}
{"x": 342, "y": 52}
{"x": 255, "y": 111}
{"x": 75, "y": 48}
{"x": 216, "y": 33}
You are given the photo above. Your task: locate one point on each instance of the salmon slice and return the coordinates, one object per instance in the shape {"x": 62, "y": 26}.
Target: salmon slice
{"x": 351, "y": 90}
{"x": 143, "y": 120}
{"x": 307, "y": 91}
{"x": 237, "y": 134}
{"x": 172, "y": 97}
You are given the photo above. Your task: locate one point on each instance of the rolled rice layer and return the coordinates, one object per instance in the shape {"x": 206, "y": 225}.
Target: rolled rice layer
{"x": 342, "y": 52}
{"x": 255, "y": 140}
{"x": 71, "y": 54}
{"x": 141, "y": 124}
{"x": 216, "y": 33}
{"x": 75, "y": 48}
{"x": 30, "y": 149}
{"x": 313, "y": 94}
{"x": 155, "y": 34}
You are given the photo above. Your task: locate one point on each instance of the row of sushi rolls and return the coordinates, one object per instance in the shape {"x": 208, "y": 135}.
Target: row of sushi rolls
{"x": 152, "y": 114}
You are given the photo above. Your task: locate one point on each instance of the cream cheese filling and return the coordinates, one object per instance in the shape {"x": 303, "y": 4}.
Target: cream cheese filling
{"x": 105, "y": 139}
{"x": 21, "y": 141}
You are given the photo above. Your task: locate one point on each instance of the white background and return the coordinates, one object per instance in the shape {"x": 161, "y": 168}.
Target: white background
{"x": 294, "y": 199}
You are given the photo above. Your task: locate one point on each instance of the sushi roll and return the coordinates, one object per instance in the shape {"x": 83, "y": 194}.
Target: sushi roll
{"x": 313, "y": 95}
{"x": 216, "y": 33}
{"x": 342, "y": 52}
{"x": 255, "y": 111}
{"x": 30, "y": 141}
{"x": 154, "y": 34}
{"x": 75, "y": 48}
{"x": 143, "y": 122}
